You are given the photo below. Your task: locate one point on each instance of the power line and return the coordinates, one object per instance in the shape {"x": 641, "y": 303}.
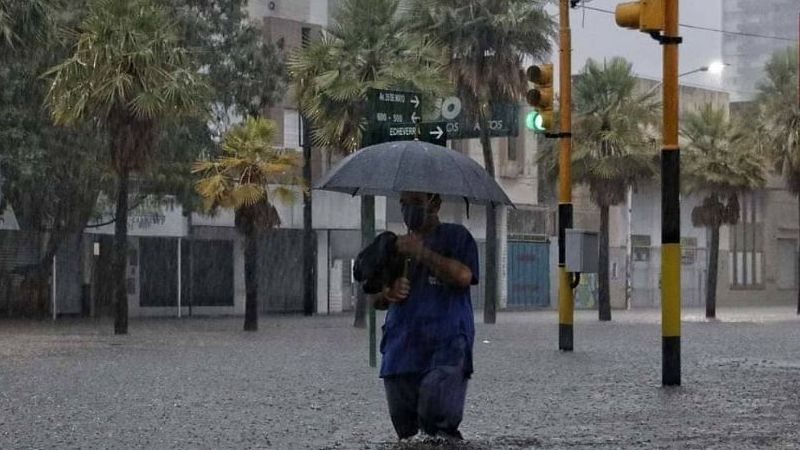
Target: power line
{"x": 715, "y": 30}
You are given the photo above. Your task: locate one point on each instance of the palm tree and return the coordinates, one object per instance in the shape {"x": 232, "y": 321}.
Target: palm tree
{"x": 718, "y": 163}
{"x": 240, "y": 180}
{"x": 23, "y": 20}
{"x": 614, "y": 148}
{"x": 128, "y": 74}
{"x": 780, "y": 119}
{"x": 485, "y": 42}
{"x": 367, "y": 47}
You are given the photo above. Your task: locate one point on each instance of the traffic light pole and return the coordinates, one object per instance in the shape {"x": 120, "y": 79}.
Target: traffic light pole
{"x": 670, "y": 206}
{"x": 566, "y": 307}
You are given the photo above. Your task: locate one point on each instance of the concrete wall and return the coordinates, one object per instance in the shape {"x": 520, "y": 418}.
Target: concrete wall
{"x": 780, "y": 229}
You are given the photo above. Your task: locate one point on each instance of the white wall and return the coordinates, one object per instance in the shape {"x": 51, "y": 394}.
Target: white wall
{"x": 646, "y": 217}
{"x": 173, "y": 223}
{"x": 285, "y": 9}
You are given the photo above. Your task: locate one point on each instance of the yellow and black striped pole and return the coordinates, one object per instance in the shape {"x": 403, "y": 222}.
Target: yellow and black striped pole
{"x": 565, "y": 303}
{"x": 670, "y": 206}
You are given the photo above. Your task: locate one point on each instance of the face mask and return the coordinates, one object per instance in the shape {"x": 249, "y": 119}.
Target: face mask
{"x": 414, "y": 216}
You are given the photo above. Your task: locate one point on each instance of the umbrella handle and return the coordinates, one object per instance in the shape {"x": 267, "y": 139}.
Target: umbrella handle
{"x": 405, "y": 267}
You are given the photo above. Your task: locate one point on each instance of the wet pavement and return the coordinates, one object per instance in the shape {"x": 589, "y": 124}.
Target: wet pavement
{"x": 304, "y": 383}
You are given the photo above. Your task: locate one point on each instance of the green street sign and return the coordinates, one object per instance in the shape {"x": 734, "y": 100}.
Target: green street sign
{"x": 459, "y": 124}
{"x": 433, "y": 132}
{"x": 390, "y": 106}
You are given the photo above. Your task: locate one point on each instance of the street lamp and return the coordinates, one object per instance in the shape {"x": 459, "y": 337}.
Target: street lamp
{"x": 714, "y": 68}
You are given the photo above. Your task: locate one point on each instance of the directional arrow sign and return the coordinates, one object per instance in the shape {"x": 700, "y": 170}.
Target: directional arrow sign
{"x": 389, "y": 106}
{"x": 437, "y": 132}
{"x": 433, "y": 132}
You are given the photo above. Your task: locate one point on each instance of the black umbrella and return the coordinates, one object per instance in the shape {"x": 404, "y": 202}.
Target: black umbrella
{"x": 393, "y": 167}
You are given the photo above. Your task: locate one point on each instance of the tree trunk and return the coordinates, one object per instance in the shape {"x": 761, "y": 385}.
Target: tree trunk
{"x": 367, "y": 235}
{"x": 121, "y": 254}
{"x": 604, "y": 285}
{"x": 490, "y": 297}
{"x": 308, "y": 229}
{"x": 711, "y": 279}
{"x": 251, "y": 281}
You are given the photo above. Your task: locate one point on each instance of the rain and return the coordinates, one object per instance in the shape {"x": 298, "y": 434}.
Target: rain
{"x": 399, "y": 224}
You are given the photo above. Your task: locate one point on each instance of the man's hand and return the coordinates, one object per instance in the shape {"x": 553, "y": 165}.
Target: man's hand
{"x": 410, "y": 245}
{"x": 398, "y": 291}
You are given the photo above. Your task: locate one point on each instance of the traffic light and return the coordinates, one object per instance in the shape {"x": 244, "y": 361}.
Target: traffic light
{"x": 540, "y": 97}
{"x": 645, "y": 15}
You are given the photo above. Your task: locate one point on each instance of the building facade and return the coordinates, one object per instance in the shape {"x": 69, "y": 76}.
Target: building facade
{"x": 757, "y": 259}
{"x": 747, "y": 54}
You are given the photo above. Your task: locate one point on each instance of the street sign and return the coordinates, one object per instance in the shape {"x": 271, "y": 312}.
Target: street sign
{"x": 393, "y": 107}
{"x": 502, "y": 122}
{"x": 433, "y": 132}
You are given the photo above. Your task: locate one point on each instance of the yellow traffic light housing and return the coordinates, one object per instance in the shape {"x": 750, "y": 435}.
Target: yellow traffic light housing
{"x": 540, "y": 97}
{"x": 645, "y": 15}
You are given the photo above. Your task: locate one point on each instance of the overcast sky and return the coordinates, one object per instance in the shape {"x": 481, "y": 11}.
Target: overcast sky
{"x": 596, "y": 35}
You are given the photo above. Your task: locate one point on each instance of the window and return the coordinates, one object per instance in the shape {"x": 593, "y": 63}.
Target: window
{"x": 688, "y": 251}
{"x": 640, "y": 244}
{"x": 746, "y": 258}
{"x": 291, "y": 128}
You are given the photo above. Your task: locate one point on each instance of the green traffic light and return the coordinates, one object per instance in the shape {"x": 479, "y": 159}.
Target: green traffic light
{"x": 534, "y": 122}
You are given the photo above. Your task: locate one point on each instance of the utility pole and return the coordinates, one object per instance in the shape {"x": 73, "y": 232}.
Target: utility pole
{"x": 566, "y": 306}
{"x": 659, "y": 18}
{"x": 670, "y": 206}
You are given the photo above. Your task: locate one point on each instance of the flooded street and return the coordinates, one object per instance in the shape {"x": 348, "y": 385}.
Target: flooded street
{"x": 305, "y": 384}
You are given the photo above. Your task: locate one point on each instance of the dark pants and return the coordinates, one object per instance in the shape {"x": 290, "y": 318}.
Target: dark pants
{"x": 433, "y": 401}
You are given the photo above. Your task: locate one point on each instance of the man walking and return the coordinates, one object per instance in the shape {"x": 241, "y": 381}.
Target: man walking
{"x": 429, "y": 330}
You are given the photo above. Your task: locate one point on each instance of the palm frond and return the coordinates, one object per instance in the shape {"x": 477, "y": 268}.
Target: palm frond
{"x": 614, "y": 147}
{"x": 718, "y": 158}
{"x": 778, "y": 114}
{"x": 239, "y": 178}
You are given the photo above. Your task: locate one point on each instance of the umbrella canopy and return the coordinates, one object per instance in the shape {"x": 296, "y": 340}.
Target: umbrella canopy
{"x": 393, "y": 167}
